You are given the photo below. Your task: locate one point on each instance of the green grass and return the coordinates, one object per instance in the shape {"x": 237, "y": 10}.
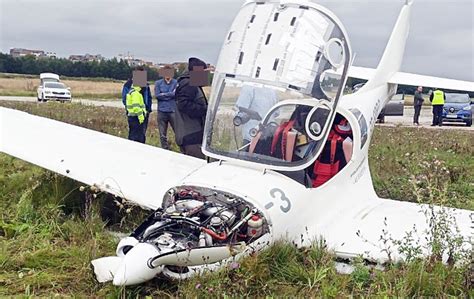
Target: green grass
{"x": 18, "y": 93}
{"x": 405, "y": 162}
{"x": 48, "y": 236}
{"x": 102, "y": 96}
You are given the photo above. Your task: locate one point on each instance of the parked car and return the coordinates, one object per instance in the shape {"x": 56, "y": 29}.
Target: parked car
{"x": 394, "y": 107}
{"x": 457, "y": 108}
{"x": 51, "y": 88}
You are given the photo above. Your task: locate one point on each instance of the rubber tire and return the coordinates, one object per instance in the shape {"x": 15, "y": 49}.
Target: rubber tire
{"x": 469, "y": 123}
{"x": 43, "y": 99}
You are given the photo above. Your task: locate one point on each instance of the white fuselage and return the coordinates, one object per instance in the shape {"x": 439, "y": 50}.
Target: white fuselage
{"x": 335, "y": 211}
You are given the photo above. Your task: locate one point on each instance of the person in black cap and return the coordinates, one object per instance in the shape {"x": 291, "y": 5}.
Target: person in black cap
{"x": 191, "y": 104}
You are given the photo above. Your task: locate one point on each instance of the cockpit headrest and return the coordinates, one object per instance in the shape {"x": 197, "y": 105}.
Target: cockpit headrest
{"x": 343, "y": 127}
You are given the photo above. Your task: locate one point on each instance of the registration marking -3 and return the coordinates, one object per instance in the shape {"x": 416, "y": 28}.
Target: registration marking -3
{"x": 276, "y": 193}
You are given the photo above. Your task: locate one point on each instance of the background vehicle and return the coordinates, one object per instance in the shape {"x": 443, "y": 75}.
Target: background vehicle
{"x": 393, "y": 108}
{"x": 457, "y": 108}
{"x": 51, "y": 88}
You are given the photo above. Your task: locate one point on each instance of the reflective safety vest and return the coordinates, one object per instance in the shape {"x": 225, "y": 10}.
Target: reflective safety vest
{"x": 438, "y": 98}
{"x": 136, "y": 104}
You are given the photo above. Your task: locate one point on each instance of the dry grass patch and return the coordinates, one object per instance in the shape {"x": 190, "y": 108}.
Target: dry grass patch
{"x": 80, "y": 88}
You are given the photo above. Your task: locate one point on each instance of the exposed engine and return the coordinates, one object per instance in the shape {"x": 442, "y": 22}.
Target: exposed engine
{"x": 195, "y": 226}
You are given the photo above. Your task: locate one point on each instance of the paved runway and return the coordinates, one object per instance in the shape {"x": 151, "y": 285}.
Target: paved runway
{"x": 105, "y": 103}
{"x": 426, "y": 118}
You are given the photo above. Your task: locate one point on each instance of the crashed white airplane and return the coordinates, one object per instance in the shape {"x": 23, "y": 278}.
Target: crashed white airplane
{"x": 290, "y": 150}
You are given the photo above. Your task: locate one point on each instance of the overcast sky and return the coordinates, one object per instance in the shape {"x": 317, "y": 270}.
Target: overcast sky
{"x": 441, "y": 40}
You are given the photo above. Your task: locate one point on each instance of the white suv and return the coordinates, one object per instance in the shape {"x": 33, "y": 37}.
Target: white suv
{"x": 52, "y": 89}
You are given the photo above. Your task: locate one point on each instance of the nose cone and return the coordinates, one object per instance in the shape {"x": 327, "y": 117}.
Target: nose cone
{"x": 134, "y": 268}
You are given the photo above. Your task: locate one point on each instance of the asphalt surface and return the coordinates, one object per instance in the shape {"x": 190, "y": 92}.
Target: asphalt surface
{"x": 406, "y": 120}
{"x": 105, "y": 103}
{"x": 425, "y": 120}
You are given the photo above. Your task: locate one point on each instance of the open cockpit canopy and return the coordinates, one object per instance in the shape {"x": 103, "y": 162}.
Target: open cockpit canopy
{"x": 280, "y": 73}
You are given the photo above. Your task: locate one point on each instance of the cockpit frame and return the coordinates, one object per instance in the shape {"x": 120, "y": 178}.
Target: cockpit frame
{"x": 229, "y": 69}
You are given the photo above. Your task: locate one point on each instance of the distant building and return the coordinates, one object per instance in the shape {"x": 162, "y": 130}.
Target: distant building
{"x": 134, "y": 62}
{"x": 177, "y": 65}
{"x": 20, "y": 52}
{"x": 75, "y": 58}
{"x": 184, "y": 65}
{"x": 211, "y": 67}
{"x": 86, "y": 58}
{"x": 51, "y": 55}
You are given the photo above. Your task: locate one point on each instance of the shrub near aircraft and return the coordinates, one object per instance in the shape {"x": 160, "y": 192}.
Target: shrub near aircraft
{"x": 290, "y": 152}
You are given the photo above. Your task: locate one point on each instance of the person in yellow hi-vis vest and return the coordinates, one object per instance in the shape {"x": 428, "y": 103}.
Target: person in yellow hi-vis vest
{"x": 437, "y": 99}
{"x": 136, "y": 97}
{"x": 136, "y": 112}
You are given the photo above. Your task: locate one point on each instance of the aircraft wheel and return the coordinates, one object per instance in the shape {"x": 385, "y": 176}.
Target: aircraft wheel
{"x": 469, "y": 123}
{"x": 43, "y": 99}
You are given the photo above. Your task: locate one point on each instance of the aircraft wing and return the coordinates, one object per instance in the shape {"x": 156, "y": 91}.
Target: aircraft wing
{"x": 402, "y": 78}
{"x": 131, "y": 170}
{"x": 369, "y": 228}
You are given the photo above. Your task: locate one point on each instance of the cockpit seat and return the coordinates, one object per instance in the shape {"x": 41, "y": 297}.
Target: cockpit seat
{"x": 335, "y": 155}
{"x": 280, "y": 141}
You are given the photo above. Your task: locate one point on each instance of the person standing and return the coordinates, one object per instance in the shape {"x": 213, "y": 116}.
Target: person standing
{"x": 191, "y": 104}
{"x": 137, "y": 101}
{"x": 437, "y": 99}
{"x": 136, "y": 114}
{"x": 417, "y": 103}
{"x": 165, "y": 95}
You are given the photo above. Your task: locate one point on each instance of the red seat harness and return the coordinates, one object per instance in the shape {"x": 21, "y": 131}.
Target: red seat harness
{"x": 282, "y": 131}
{"x": 323, "y": 172}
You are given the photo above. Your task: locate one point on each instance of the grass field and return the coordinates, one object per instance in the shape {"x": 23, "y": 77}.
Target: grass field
{"x": 48, "y": 235}
{"x": 88, "y": 89}
{"x": 81, "y": 88}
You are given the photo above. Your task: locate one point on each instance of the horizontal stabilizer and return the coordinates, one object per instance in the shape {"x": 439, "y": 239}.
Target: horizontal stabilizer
{"x": 402, "y": 78}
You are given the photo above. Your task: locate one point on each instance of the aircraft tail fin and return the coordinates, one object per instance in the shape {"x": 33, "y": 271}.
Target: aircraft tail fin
{"x": 393, "y": 55}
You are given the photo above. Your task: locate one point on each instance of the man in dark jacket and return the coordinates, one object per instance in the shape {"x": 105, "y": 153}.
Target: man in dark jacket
{"x": 417, "y": 103}
{"x": 191, "y": 111}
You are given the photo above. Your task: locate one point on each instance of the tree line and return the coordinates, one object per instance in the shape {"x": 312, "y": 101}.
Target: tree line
{"x": 110, "y": 68}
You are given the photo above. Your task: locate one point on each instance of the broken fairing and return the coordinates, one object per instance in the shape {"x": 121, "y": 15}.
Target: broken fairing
{"x": 279, "y": 60}
{"x": 195, "y": 227}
